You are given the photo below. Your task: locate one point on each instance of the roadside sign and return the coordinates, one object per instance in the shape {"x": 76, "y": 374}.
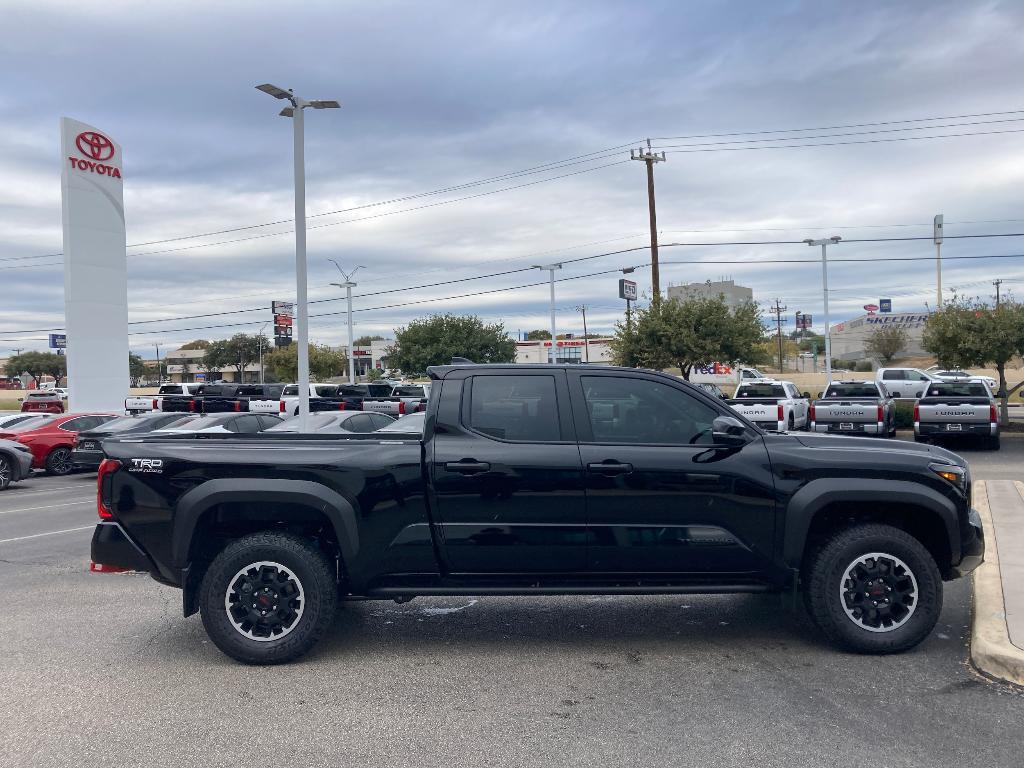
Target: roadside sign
{"x": 871, "y": 308}
{"x": 937, "y": 229}
{"x": 627, "y": 290}
{"x": 283, "y": 308}
{"x": 58, "y": 341}
{"x": 885, "y": 305}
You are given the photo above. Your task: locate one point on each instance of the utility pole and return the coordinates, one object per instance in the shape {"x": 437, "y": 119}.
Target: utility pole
{"x": 159, "y": 376}
{"x": 824, "y": 243}
{"x": 586, "y": 342}
{"x": 650, "y": 158}
{"x": 348, "y": 285}
{"x": 551, "y": 269}
{"x": 997, "y": 283}
{"x": 937, "y": 237}
{"x": 777, "y": 310}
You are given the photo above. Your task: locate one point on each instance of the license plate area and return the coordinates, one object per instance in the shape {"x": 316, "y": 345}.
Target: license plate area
{"x": 846, "y": 426}
{"x": 954, "y": 427}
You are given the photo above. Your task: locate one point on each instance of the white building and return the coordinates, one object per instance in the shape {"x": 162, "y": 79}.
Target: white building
{"x": 734, "y": 295}
{"x": 566, "y": 351}
{"x": 849, "y": 339}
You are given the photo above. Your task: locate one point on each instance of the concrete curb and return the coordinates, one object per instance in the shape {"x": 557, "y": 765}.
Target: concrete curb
{"x": 991, "y": 649}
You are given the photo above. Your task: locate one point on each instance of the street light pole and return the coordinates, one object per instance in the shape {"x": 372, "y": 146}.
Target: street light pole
{"x": 260, "y": 342}
{"x": 348, "y": 285}
{"x": 824, "y": 288}
{"x": 551, "y": 269}
{"x": 582, "y": 308}
{"x": 296, "y": 112}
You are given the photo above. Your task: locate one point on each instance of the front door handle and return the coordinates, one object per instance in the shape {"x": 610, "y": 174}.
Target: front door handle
{"x": 467, "y": 466}
{"x": 609, "y": 467}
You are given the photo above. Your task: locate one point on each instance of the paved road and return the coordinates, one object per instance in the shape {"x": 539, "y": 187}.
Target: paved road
{"x": 100, "y": 669}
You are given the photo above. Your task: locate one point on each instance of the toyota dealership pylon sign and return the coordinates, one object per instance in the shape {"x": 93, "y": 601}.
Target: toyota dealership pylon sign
{"x": 95, "y": 267}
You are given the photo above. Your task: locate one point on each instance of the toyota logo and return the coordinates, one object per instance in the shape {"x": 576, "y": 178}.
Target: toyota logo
{"x": 95, "y": 145}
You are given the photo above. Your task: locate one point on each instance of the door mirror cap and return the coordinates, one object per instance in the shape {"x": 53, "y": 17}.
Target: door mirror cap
{"x": 728, "y": 430}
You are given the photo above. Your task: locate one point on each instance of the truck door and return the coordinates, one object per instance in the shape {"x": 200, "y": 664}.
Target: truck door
{"x": 661, "y": 497}
{"x": 507, "y": 476}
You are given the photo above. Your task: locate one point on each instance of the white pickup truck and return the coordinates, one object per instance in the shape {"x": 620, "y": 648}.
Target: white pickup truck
{"x": 775, "y": 406}
{"x": 956, "y": 409}
{"x": 145, "y": 403}
{"x": 725, "y": 376}
{"x": 854, "y": 408}
{"x": 405, "y": 398}
{"x": 906, "y": 383}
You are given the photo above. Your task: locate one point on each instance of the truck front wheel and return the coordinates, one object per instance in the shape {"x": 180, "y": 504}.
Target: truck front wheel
{"x": 268, "y": 597}
{"x": 873, "y": 589}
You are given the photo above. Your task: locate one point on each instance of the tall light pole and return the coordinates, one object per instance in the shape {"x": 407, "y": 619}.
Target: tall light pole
{"x": 295, "y": 111}
{"x": 551, "y": 269}
{"x": 260, "y": 341}
{"x": 937, "y": 237}
{"x": 824, "y": 288}
{"x": 582, "y": 309}
{"x": 348, "y": 285}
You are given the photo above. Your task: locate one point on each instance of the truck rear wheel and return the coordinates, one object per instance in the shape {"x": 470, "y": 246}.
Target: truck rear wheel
{"x": 268, "y": 597}
{"x": 873, "y": 589}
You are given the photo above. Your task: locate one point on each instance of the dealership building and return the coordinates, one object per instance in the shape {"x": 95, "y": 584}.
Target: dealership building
{"x": 849, "y": 339}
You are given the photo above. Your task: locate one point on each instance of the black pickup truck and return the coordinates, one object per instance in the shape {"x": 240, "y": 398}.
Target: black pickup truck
{"x": 530, "y": 480}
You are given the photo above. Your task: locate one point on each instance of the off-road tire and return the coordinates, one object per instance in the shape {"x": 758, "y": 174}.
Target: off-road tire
{"x": 59, "y": 461}
{"x": 823, "y": 577}
{"x": 314, "y": 572}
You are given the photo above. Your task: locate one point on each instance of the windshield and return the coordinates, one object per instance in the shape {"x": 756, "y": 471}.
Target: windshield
{"x": 43, "y": 395}
{"x": 28, "y": 424}
{"x": 760, "y": 390}
{"x": 852, "y": 390}
{"x": 413, "y": 423}
{"x": 966, "y": 389}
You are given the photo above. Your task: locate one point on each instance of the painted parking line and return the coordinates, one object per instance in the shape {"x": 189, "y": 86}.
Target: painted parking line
{"x": 48, "y": 506}
{"x": 48, "y": 533}
{"x": 23, "y": 493}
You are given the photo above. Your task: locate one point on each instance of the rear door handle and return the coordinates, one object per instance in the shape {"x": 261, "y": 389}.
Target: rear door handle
{"x": 467, "y": 466}
{"x": 610, "y": 467}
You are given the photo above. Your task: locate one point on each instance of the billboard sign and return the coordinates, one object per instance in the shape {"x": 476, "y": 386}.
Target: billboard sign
{"x": 885, "y": 305}
{"x": 283, "y": 308}
{"x": 58, "y": 341}
{"x": 627, "y": 290}
{"x": 871, "y": 308}
{"x": 95, "y": 266}
{"x": 937, "y": 229}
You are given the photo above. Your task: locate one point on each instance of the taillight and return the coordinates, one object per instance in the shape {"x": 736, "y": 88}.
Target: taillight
{"x": 191, "y": 406}
{"x": 881, "y": 413}
{"x": 107, "y": 467}
{"x": 992, "y": 415}
{"x": 401, "y": 408}
{"x": 917, "y": 412}
{"x": 341, "y": 406}
{"x": 154, "y": 403}
{"x": 282, "y": 406}
{"x": 238, "y": 406}
{"x": 810, "y": 413}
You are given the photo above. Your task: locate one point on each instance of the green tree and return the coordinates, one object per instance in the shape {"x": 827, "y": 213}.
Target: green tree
{"x": 374, "y": 374}
{"x": 365, "y": 341}
{"x": 968, "y": 333}
{"x": 538, "y": 335}
{"x": 887, "y": 342}
{"x": 197, "y": 344}
{"x": 324, "y": 362}
{"x": 136, "y": 368}
{"x": 691, "y": 332}
{"x": 436, "y": 339}
{"x": 37, "y": 365}
{"x": 215, "y": 358}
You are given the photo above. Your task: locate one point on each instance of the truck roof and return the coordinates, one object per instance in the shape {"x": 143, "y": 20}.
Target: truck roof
{"x": 440, "y": 371}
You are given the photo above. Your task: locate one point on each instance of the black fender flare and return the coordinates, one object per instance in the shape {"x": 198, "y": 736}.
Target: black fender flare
{"x": 818, "y": 494}
{"x": 191, "y": 506}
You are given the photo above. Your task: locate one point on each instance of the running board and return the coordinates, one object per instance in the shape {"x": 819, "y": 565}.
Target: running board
{"x": 391, "y": 593}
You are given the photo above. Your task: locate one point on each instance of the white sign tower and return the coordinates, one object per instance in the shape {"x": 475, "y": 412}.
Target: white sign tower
{"x": 95, "y": 268}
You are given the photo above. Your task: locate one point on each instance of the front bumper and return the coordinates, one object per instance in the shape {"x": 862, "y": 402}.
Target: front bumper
{"x": 972, "y": 547}
{"x": 112, "y": 549}
{"x": 83, "y": 459}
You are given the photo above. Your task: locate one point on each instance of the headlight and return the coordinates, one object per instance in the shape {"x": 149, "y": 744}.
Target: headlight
{"x": 952, "y": 474}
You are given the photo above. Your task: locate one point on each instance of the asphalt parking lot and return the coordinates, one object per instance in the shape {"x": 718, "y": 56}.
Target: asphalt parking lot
{"x": 101, "y": 669}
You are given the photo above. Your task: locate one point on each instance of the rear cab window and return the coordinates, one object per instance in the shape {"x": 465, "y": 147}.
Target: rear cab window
{"x": 760, "y": 391}
{"x": 836, "y": 391}
{"x": 958, "y": 390}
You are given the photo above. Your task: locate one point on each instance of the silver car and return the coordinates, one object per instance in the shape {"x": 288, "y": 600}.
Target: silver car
{"x": 15, "y": 462}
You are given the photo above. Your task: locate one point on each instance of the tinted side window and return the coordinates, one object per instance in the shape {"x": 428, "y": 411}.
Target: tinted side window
{"x": 379, "y": 420}
{"x": 642, "y": 411}
{"x": 514, "y": 408}
{"x": 80, "y": 424}
{"x": 894, "y": 376}
{"x": 247, "y": 424}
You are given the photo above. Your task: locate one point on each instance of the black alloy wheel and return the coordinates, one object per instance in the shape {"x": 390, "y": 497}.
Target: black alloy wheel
{"x": 6, "y": 472}
{"x": 59, "y": 461}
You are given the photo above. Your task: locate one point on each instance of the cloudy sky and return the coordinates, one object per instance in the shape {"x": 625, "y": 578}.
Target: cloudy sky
{"x": 486, "y": 137}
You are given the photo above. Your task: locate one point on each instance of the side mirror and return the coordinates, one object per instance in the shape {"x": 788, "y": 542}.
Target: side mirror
{"x": 728, "y": 430}
{"x": 807, "y": 395}
{"x": 20, "y": 399}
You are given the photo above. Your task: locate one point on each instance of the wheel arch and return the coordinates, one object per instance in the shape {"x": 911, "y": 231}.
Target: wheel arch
{"x": 829, "y": 504}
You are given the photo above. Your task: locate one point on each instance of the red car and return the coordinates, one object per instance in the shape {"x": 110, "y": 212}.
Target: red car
{"x": 42, "y": 402}
{"x": 52, "y": 438}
